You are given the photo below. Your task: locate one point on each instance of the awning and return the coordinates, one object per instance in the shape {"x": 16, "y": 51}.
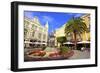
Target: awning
{"x": 27, "y": 42}
{"x": 83, "y": 42}
{"x": 68, "y": 43}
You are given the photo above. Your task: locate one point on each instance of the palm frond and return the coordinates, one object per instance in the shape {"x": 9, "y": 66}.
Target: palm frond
{"x": 76, "y": 24}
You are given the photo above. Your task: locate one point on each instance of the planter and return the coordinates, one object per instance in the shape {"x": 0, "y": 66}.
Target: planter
{"x": 68, "y": 54}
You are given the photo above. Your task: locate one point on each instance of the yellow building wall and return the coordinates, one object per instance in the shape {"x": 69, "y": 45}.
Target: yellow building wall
{"x": 86, "y": 35}
{"x": 59, "y": 33}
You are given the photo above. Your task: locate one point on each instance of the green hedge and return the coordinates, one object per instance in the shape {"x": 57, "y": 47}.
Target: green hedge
{"x": 64, "y": 49}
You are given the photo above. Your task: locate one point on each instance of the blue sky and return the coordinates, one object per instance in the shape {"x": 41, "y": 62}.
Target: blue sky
{"x": 55, "y": 19}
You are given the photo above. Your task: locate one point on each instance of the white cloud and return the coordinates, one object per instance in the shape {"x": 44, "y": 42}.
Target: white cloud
{"x": 78, "y": 15}
{"x": 28, "y": 14}
{"x": 47, "y": 18}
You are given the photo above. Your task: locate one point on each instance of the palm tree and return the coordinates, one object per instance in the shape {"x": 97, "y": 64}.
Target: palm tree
{"x": 75, "y": 26}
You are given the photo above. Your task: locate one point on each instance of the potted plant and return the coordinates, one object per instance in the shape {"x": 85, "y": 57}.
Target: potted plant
{"x": 66, "y": 52}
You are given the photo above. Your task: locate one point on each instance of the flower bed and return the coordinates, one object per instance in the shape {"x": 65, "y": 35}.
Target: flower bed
{"x": 41, "y": 55}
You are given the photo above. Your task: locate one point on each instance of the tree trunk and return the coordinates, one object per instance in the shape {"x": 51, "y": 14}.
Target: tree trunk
{"x": 75, "y": 40}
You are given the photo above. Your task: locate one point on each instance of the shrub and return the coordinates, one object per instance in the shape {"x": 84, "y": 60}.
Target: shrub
{"x": 44, "y": 47}
{"x": 61, "y": 40}
{"x": 64, "y": 49}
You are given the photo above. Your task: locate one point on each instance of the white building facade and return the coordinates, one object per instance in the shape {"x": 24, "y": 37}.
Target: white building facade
{"x": 34, "y": 32}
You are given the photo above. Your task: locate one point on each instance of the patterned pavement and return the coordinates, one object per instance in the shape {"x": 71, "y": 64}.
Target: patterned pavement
{"x": 80, "y": 54}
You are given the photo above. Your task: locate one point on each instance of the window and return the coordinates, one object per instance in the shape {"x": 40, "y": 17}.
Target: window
{"x": 88, "y": 28}
{"x": 44, "y": 36}
{"x": 35, "y": 28}
{"x": 33, "y": 33}
{"x": 25, "y": 32}
{"x": 39, "y": 35}
{"x": 32, "y": 26}
{"x": 26, "y": 23}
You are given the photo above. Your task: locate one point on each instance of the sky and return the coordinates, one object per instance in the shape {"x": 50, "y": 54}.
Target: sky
{"x": 55, "y": 19}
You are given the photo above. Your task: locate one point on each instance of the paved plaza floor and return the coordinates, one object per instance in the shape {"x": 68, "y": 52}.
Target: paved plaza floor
{"x": 77, "y": 54}
{"x": 80, "y": 54}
